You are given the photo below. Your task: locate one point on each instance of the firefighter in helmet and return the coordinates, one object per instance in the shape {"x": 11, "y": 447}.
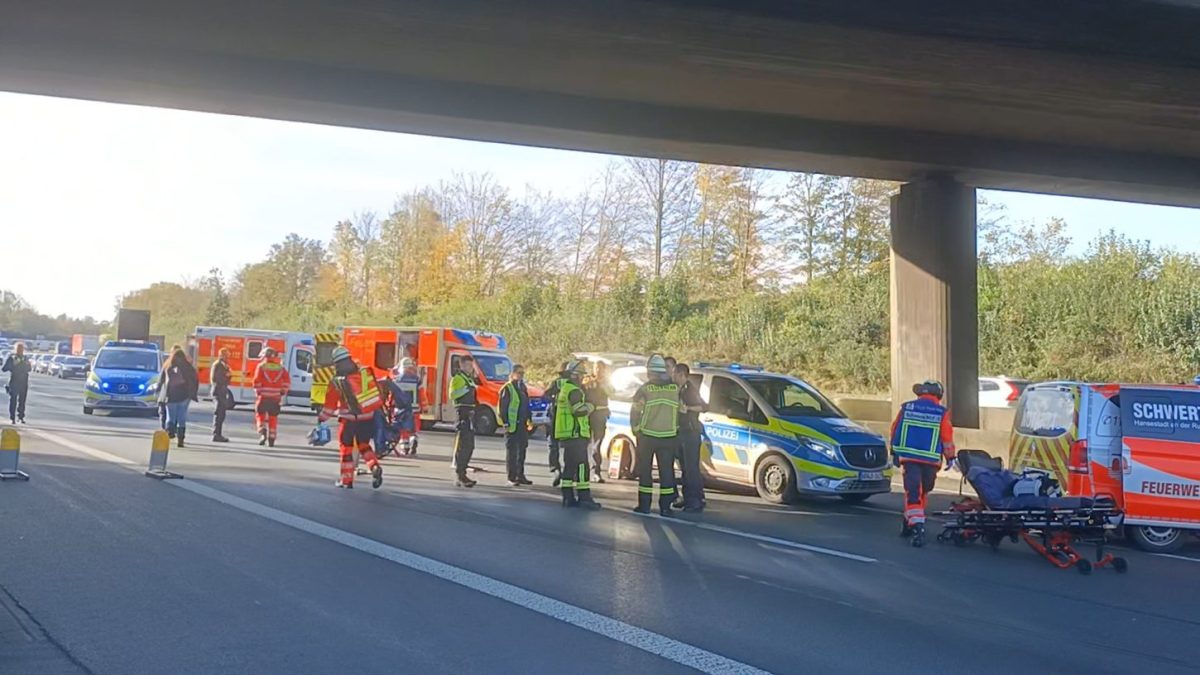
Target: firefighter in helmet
{"x": 922, "y": 437}
{"x": 353, "y": 396}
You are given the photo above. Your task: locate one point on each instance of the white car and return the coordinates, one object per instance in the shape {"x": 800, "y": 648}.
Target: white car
{"x": 1001, "y": 391}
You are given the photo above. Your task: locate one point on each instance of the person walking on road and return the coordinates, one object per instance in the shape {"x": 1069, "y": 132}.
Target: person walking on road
{"x": 220, "y": 376}
{"x": 18, "y": 366}
{"x": 180, "y": 387}
{"x": 407, "y": 400}
{"x": 554, "y": 457}
{"x": 271, "y": 384}
{"x": 517, "y": 419}
{"x": 162, "y": 390}
{"x": 462, "y": 395}
{"x": 572, "y": 429}
{"x": 690, "y": 407}
{"x": 654, "y": 416}
{"x": 354, "y": 397}
{"x": 598, "y": 390}
{"x": 922, "y": 436}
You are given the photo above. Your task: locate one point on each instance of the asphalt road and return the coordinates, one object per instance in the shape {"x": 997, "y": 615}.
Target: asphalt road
{"x": 255, "y": 563}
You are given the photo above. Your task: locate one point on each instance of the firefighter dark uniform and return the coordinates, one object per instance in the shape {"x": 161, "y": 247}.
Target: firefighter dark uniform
{"x": 654, "y": 416}
{"x": 573, "y": 431}
{"x": 515, "y": 416}
{"x": 271, "y": 384}
{"x": 922, "y": 436}
{"x": 354, "y": 397}
{"x": 462, "y": 395}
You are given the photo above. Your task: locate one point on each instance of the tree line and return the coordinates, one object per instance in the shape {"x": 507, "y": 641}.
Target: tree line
{"x": 706, "y": 262}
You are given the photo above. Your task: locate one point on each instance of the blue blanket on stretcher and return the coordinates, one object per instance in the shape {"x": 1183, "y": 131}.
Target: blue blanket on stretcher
{"x": 994, "y": 488}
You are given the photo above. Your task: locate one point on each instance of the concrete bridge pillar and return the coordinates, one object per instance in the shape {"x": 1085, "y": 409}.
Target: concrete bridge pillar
{"x": 935, "y": 331}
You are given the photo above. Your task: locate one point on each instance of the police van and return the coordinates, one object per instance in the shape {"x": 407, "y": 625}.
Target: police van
{"x": 774, "y": 432}
{"x": 124, "y": 376}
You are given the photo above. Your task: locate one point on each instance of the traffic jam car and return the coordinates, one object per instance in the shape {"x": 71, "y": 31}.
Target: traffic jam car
{"x": 770, "y": 431}
{"x": 125, "y": 376}
{"x": 72, "y": 367}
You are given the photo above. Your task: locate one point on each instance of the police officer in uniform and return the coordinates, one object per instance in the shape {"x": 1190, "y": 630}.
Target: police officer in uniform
{"x": 573, "y": 431}
{"x": 690, "y": 407}
{"x": 598, "y": 391}
{"x": 462, "y": 394}
{"x": 922, "y": 436}
{"x": 18, "y": 366}
{"x": 654, "y": 416}
{"x": 515, "y": 415}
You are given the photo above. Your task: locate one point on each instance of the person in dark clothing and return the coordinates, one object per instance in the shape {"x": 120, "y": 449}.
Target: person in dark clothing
{"x": 181, "y": 386}
{"x": 597, "y": 390}
{"x": 690, "y": 407}
{"x": 17, "y": 365}
{"x": 220, "y": 376}
{"x": 162, "y": 392}
{"x": 517, "y": 421}
{"x": 552, "y": 442}
{"x": 463, "y": 395}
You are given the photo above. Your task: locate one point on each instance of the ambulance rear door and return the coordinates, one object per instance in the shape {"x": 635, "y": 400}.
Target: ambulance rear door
{"x": 1100, "y": 413}
{"x": 1161, "y": 456}
{"x": 299, "y": 360}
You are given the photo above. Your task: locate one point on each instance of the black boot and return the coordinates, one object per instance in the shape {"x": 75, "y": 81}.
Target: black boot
{"x": 905, "y": 530}
{"x": 262, "y": 438}
{"x": 461, "y": 480}
{"x": 218, "y": 438}
{"x": 270, "y": 441}
{"x": 179, "y": 438}
{"x": 643, "y": 503}
{"x": 918, "y": 535}
{"x": 586, "y": 501}
{"x": 376, "y": 475}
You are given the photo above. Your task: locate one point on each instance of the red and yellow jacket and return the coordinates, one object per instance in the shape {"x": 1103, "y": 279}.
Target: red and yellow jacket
{"x": 271, "y": 380}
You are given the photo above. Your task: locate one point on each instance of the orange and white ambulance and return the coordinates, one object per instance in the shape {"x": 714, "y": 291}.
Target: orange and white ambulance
{"x": 437, "y": 352}
{"x": 246, "y": 347}
{"x": 1138, "y": 443}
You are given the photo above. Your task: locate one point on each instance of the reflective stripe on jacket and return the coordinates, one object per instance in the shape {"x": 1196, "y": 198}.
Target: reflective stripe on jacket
{"x": 917, "y": 432}
{"x": 571, "y": 411}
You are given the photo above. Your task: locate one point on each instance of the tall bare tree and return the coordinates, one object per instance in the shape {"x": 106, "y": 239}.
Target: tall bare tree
{"x": 665, "y": 190}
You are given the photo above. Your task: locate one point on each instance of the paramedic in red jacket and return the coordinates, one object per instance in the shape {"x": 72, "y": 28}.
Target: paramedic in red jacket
{"x": 271, "y": 384}
{"x": 354, "y": 396}
{"x": 922, "y": 436}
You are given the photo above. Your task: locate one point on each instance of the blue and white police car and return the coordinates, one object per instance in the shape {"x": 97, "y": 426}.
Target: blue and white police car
{"x": 124, "y": 376}
{"x": 774, "y": 432}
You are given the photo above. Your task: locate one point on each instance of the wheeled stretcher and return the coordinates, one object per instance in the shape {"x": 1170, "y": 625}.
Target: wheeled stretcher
{"x": 1052, "y": 526}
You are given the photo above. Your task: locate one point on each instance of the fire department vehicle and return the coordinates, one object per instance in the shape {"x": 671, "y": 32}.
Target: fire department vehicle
{"x": 246, "y": 347}
{"x": 437, "y": 353}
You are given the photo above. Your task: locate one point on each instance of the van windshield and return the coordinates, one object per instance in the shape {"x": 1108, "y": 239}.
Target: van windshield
{"x": 493, "y": 367}
{"x": 1046, "y": 412}
{"x": 128, "y": 359}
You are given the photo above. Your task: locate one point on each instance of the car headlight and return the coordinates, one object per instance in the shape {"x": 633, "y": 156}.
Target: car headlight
{"x": 828, "y": 450}
{"x": 151, "y": 387}
{"x": 92, "y": 382}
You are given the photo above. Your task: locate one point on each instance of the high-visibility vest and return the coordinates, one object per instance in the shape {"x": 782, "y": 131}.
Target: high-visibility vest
{"x": 368, "y": 391}
{"x": 918, "y": 433}
{"x": 514, "y": 406}
{"x": 270, "y": 380}
{"x": 660, "y": 412}
{"x": 571, "y": 421}
{"x": 462, "y": 390}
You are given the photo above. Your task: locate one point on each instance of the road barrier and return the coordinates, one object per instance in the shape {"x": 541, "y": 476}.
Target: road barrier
{"x": 10, "y": 456}
{"x": 160, "y": 446}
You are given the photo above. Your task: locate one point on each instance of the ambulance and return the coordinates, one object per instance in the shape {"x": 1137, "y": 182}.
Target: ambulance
{"x": 437, "y": 353}
{"x": 246, "y": 347}
{"x": 1139, "y": 444}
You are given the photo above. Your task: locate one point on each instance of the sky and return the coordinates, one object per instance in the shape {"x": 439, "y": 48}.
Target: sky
{"x": 97, "y": 199}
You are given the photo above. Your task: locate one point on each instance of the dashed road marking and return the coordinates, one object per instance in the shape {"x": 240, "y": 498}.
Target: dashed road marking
{"x": 763, "y": 538}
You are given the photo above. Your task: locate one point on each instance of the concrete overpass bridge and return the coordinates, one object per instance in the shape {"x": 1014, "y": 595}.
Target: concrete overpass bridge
{"x": 1072, "y": 97}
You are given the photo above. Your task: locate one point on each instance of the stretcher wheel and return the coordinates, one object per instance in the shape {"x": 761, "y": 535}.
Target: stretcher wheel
{"x": 1121, "y": 565}
{"x": 943, "y": 537}
{"x": 1084, "y": 567}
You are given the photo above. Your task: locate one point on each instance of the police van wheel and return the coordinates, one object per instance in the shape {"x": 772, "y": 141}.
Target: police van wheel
{"x": 485, "y": 421}
{"x": 1156, "y": 539}
{"x": 88, "y": 411}
{"x": 776, "y": 480}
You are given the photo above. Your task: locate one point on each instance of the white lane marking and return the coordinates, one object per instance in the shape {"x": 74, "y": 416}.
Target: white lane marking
{"x": 759, "y": 537}
{"x": 79, "y": 447}
{"x": 793, "y": 512}
{"x": 1175, "y": 557}
{"x": 614, "y": 629}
